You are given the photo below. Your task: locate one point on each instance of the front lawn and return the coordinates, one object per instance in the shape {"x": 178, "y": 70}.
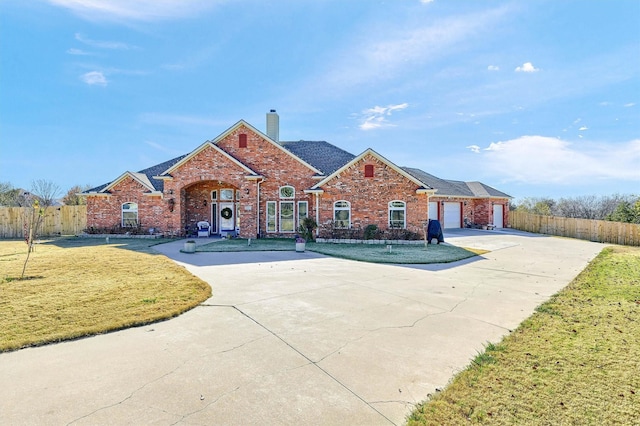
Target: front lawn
{"x": 79, "y": 287}
{"x": 576, "y": 361}
{"x": 376, "y": 253}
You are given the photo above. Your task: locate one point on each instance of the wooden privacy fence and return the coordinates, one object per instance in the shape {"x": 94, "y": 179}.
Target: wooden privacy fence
{"x": 602, "y": 231}
{"x": 62, "y": 220}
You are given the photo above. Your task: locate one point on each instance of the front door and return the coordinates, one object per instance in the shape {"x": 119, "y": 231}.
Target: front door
{"x": 227, "y": 218}
{"x": 498, "y": 215}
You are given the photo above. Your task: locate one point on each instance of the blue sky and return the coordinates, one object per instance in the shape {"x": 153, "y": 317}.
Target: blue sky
{"x": 535, "y": 98}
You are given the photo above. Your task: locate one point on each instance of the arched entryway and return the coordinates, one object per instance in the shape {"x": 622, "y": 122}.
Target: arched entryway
{"x": 215, "y": 202}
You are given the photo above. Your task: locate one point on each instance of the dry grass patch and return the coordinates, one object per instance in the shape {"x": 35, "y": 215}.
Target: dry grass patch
{"x": 81, "y": 287}
{"x": 575, "y": 361}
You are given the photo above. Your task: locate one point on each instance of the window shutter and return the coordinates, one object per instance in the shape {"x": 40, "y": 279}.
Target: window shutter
{"x": 368, "y": 170}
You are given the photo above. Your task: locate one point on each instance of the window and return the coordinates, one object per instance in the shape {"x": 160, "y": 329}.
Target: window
{"x": 287, "y": 223}
{"x": 271, "y": 216}
{"x": 129, "y": 215}
{"x": 303, "y": 211}
{"x": 214, "y": 195}
{"x": 287, "y": 192}
{"x": 226, "y": 194}
{"x": 397, "y": 210}
{"x": 237, "y": 195}
{"x": 342, "y": 214}
{"x": 368, "y": 170}
{"x": 242, "y": 141}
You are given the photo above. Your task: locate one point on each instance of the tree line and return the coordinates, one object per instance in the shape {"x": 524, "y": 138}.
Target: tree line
{"x": 46, "y": 191}
{"x": 615, "y": 208}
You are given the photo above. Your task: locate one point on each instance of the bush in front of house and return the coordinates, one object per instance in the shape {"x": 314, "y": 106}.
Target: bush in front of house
{"x": 369, "y": 232}
{"x": 117, "y": 230}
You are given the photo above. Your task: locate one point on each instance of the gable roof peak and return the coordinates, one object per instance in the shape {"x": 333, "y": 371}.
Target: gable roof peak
{"x": 370, "y": 151}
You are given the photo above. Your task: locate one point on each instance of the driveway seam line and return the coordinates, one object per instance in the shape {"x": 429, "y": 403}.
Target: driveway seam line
{"x": 314, "y": 363}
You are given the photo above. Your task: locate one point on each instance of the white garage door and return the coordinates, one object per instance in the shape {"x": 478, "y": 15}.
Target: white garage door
{"x": 452, "y": 215}
{"x": 498, "y": 215}
{"x": 433, "y": 210}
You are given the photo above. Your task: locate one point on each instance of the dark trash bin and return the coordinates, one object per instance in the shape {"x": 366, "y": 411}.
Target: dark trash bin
{"x": 434, "y": 230}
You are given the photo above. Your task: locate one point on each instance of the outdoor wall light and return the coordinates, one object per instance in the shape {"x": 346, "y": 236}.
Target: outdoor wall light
{"x": 204, "y": 203}
{"x": 246, "y": 191}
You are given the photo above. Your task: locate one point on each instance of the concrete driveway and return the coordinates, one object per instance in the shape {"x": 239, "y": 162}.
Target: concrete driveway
{"x": 296, "y": 338}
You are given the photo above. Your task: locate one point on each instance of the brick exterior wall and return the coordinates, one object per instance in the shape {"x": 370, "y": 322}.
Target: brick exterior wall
{"x": 475, "y": 211}
{"x": 370, "y": 196}
{"x": 106, "y": 211}
{"x": 186, "y": 198}
{"x": 278, "y": 167}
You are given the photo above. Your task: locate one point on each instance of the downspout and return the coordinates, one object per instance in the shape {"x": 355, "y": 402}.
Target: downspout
{"x": 317, "y": 214}
{"x": 258, "y": 208}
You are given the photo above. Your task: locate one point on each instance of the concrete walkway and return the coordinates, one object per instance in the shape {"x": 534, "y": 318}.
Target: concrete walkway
{"x": 295, "y": 338}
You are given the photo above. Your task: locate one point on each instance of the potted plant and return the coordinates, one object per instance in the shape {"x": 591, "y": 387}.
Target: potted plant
{"x": 189, "y": 246}
{"x": 300, "y": 244}
{"x": 307, "y": 227}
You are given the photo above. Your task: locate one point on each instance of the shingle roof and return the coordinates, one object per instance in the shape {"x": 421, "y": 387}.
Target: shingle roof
{"x": 455, "y": 188}
{"x": 444, "y": 187}
{"x": 158, "y": 184}
{"x": 328, "y": 158}
{"x": 320, "y": 154}
{"x": 150, "y": 172}
{"x": 482, "y": 190}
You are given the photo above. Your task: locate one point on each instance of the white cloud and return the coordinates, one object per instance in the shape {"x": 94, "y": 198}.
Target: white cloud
{"x": 474, "y": 148}
{"x": 583, "y": 128}
{"x": 493, "y": 68}
{"x": 376, "y": 117}
{"x": 548, "y": 160}
{"x": 94, "y": 78}
{"x": 426, "y": 1}
{"x": 102, "y": 44}
{"x": 527, "y": 67}
{"x": 135, "y": 10}
{"x": 161, "y": 147}
{"x": 384, "y": 53}
{"x": 78, "y": 52}
{"x": 630, "y": 104}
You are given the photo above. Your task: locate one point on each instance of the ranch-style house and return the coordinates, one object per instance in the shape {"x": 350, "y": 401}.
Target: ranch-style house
{"x": 250, "y": 184}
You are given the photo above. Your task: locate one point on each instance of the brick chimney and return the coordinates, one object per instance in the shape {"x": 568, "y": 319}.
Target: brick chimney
{"x": 273, "y": 125}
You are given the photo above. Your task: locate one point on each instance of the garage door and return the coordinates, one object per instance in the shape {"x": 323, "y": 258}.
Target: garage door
{"x": 452, "y": 215}
{"x": 433, "y": 210}
{"x": 498, "y": 215}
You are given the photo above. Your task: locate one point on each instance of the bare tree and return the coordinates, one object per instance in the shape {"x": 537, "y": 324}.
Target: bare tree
{"x": 35, "y": 203}
{"x": 46, "y": 191}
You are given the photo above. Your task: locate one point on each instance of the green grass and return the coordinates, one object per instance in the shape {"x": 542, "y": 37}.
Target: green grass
{"x": 376, "y": 253}
{"x": 80, "y": 287}
{"x": 576, "y": 361}
{"x": 242, "y": 244}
